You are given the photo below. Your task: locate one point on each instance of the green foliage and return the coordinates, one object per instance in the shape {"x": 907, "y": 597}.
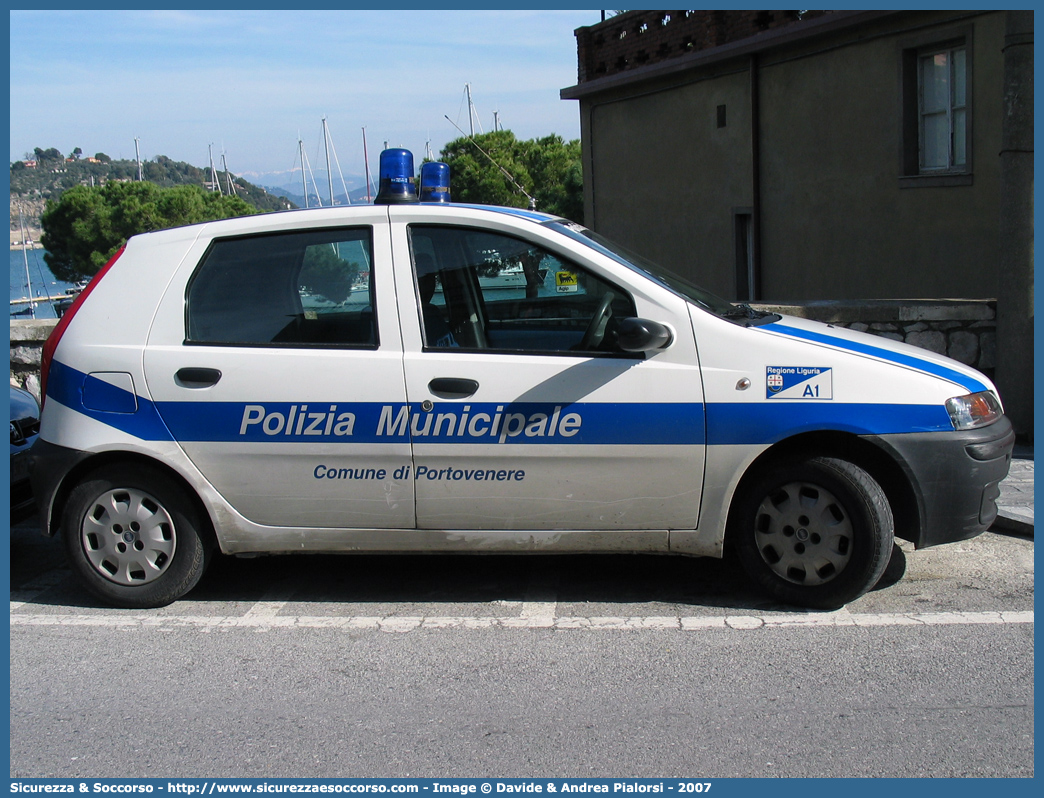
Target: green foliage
{"x": 556, "y": 168}
{"x": 548, "y": 169}
{"x": 86, "y": 226}
{"x": 50, "y": 155}
{"x": 325, "y": 274}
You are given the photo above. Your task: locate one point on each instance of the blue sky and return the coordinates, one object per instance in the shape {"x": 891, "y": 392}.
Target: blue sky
{"x": 252, "y": 82}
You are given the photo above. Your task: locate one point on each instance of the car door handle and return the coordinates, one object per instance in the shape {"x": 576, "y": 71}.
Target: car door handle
{"x": 197, "y": 377}
{"x": 452, "y": 387}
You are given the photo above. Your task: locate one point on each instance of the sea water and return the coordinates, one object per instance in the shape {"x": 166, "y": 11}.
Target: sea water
{"x": 44, "y": 284}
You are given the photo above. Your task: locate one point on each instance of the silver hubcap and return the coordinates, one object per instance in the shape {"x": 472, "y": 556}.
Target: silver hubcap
{"x": 128, "y": 537}
{"x": 803, "y": 533}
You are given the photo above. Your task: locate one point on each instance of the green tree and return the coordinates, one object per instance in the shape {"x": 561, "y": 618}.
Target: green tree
{"x": 325, "y": 274}
{"x": 547, "y": 169}
{"x": 51, "y": 154}
{"x": 555, "y": 166}
{"x": 86, "y": 226}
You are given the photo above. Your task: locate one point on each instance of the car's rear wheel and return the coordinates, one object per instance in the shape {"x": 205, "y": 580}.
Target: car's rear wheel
{"x": 816, "y": 532}
{"x": 134, "y": 536}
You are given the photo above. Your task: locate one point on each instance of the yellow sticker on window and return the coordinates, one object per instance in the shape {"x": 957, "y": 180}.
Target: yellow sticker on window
{"x": 565, "y": 282}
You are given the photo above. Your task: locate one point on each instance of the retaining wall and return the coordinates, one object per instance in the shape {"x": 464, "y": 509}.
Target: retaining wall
{"x": 27, "y": 340}
{"x": 964, "y": 329}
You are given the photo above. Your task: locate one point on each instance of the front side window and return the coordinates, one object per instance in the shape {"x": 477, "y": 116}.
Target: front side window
{"x": 483, "y": 290}
{"x": 943, "y": 80}
{"x": 297, "y": 289}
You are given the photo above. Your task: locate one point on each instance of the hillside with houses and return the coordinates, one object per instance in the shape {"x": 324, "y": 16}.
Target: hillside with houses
{"x": 46, "y": 173}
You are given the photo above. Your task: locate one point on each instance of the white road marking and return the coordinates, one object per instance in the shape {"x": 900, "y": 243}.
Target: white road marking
{"x": 540, "y": 604}
{"x": 401, "y": 624}
{"x": 274, "y": 599}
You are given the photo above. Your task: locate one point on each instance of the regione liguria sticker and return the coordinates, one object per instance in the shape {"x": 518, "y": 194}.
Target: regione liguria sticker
{"x": 798, "y": 382}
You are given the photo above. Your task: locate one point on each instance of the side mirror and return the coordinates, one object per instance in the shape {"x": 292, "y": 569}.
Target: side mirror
{"x": 642, "y": 335}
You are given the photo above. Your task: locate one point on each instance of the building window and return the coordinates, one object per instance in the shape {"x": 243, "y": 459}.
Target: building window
{"x": 943, "y": 93}
{"x": 936, "y": 109}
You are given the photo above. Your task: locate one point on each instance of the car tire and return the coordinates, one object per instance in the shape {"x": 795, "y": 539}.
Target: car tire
{"x": 134, "y": 536}
{"x": 815, "y": 532}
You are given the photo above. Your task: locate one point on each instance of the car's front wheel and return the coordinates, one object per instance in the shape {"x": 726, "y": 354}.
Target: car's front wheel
{"x": 134, "y": 536}
{"x": 816, "y": 532}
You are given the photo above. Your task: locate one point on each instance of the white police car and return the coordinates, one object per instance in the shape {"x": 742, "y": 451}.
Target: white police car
{"x": 432, "y": 377}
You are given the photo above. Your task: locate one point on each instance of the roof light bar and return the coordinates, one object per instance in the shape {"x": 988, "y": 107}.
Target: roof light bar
{"x": 397, "y": 178}
{"x": 435, "y": 182}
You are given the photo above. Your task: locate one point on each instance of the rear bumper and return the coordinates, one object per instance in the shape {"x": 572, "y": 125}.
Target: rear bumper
{"x": 48, "y": 466}
{"x": 955, "y": 477}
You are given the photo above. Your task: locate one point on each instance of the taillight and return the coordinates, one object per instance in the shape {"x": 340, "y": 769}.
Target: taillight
{"x": 51, "y": 344}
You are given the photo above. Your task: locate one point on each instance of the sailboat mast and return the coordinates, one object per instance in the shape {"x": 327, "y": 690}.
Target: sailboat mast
{"x": 25, "y": 257}
{"x": 366, "y": 164}
{"x": 329, "y": 170}
{"x": 304, "y": 177}
{"x": 214, "y": 184}
{"x": 228, "y": 176}
{"x": 471, "y": 109}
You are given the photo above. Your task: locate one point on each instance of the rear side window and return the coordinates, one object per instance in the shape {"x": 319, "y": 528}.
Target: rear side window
{"x": 298, "y": 289}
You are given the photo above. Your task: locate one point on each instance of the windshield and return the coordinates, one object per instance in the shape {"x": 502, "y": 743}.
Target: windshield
{"x": 679, "y": 285}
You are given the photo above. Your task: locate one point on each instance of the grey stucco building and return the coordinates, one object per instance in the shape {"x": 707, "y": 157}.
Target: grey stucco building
{"x": 798, "y": 156}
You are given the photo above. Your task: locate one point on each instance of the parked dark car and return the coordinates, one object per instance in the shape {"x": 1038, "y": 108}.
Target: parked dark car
{"x": 25, "y": 426}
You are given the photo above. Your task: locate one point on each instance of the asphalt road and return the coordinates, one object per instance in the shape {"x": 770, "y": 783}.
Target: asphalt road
{"x": 455, "y": 666}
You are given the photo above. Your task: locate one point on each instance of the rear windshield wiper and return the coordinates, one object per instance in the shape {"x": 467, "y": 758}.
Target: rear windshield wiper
{"x": 741, "y": 310}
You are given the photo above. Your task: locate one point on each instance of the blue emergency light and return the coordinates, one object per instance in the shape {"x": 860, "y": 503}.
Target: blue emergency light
{"x": 435, "y": 182}
{"x": 397, "y": 183}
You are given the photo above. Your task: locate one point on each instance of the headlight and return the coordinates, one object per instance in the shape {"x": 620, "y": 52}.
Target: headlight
{"x": 974, "y": 410}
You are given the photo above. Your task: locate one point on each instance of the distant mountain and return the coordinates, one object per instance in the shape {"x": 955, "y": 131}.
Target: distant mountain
{"x": 288, "y": 184}
{"x": 356, "y": 197}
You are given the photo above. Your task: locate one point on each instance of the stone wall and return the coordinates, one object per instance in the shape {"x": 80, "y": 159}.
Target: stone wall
{"x": 964, "y": 329}
{"x": 27, "y": 340}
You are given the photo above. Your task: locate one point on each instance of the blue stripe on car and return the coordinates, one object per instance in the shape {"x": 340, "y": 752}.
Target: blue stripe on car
{"x": 647, "y": 424}
{"x": 522, "y": 213}
{"x": 967, "y": 382}
{"x": 757, "y": 423}
{"x": 67, "y": 386}
{"x": 474, "y": 423}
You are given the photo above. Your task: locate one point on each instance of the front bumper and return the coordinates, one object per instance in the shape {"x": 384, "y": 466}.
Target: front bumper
{"x": 955, "y": 478}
